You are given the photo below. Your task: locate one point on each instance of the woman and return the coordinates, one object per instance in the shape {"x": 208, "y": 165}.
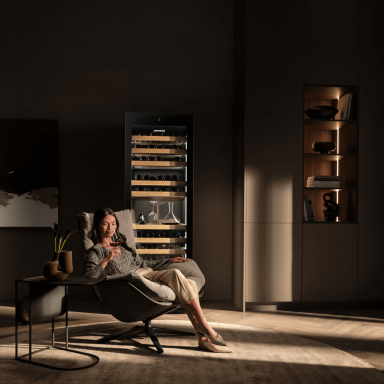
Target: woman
{"x": 105, "y": 260}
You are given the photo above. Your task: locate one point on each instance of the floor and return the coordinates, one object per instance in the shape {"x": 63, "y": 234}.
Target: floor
{"x": 358, "y": 332}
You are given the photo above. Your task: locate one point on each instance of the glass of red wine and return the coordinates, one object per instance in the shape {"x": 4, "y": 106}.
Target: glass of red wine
{"x": 116, "y": 240}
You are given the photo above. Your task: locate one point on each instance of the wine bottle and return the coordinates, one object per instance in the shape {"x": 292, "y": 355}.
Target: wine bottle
{"x": 143, "y": 158}
{"x": 158, "y": 158}
{"x": 150, "y": 234}
{"x": 146, "y": 177}
{"x": 174, "y": 177}
{"x": 138, "y": 177}
{"x": 180, "y": 178}
{"x": 152, "y": 178}
{"x": 146, "y": 189}
{"x": 141, "y": 218}
{"x": 161, "y": 234}
{"x": 150, "y": 158}
{"x": 160, "y": 177}
{"x": 180, "y": 189}
{"x": 157, "y": 189}
{"x": 167, "y": 177}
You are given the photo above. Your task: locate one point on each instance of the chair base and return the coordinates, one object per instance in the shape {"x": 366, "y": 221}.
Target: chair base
{"x": 148, "y": 330}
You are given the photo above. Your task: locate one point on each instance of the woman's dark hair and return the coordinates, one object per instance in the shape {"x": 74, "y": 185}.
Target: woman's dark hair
{"x": 98, "y": 216}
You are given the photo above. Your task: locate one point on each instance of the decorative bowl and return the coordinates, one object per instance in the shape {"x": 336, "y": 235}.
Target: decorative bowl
{"x": 321, "y": 112}
{"x": 324, "y": 146}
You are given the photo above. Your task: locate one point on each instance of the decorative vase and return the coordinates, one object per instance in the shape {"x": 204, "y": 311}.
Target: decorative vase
{"x": 324, "y": 146}
{"x": 60, "y": 267}
{"x": 323, "y": 112}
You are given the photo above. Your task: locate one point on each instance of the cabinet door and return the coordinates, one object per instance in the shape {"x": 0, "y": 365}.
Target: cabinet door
{"x": 329, "y": 262}
{"x": 331, "y": 42}
{"x": 371, "y": 262}
{"x": 274, "y": 111}
{"x": 371, "y": 132}
{"x": 273, "y": 262}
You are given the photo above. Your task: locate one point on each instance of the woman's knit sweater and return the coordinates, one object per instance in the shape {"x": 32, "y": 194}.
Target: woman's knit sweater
{"x": 122, "y": 264}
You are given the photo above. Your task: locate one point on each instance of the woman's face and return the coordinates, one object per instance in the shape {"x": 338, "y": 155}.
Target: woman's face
{"x": 107, "y": 226}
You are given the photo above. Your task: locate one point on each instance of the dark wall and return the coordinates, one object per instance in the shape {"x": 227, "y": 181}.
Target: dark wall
{"x": 86, "y": 64}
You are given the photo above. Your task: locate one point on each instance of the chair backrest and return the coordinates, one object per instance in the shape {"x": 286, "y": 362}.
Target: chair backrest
{"x": 85, "y": 221}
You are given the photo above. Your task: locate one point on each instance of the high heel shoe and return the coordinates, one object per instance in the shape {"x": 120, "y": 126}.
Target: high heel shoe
{"x": 214, "y": 340}
{"x": 213, "y": 348}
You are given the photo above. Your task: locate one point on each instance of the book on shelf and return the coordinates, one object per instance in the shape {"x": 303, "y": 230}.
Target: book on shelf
{"x": 323, "y": 177}
{"x": 308, "y": 213}
{"x": 324, "y": 184}
{"x": 344, "y": 107}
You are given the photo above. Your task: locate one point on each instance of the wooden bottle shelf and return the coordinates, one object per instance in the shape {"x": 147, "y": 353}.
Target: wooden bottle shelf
{"x": 325, "y": 125}
{"x": 158, "y": 194}
{"x": 159, "y": 227}
{"x": 160, "y": 240}
{"x": 158, "y": 164}
{"x": 159, "y": 151}
{"x": 163, "y": 183}
{"x": 325, "y": 157}
{"x": 161, "y": 251}
{"x": 172, "y": 139}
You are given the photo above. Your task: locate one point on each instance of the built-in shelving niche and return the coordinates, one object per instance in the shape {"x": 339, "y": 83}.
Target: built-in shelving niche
{"x": 341, "y": 162}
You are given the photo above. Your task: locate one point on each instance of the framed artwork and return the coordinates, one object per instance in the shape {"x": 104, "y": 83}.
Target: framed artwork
{"x": 29, "y": 173}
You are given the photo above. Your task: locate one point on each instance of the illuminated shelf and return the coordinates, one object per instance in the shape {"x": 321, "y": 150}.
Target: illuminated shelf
{"x": 325, "y": 157}
{"x": 329, "y": 222}
{"x": 160, "y": 240}
{"x": 163, "y": 183}
{"x": 140, "y": 138}
{"x": 159, "y": 151}
{"x": 158, "y": 164}
{"x": 325, "y": 125}
{"x": 161, "y": 251}
{"x": 328, "y": 189}
{"x": 145, "y": 227}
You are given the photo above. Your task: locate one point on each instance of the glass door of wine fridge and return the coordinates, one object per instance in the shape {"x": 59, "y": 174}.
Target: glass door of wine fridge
{"x": 159, "y": 182}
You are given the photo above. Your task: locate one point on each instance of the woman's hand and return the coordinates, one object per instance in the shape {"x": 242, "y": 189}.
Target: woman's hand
{"x": 179, "y": 259}
{"x": 113, "y": 252}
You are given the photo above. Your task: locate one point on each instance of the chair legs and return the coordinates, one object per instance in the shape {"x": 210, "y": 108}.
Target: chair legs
{"x": 148, "y": 330}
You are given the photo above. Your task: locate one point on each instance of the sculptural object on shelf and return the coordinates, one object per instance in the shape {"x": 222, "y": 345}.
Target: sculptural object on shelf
{"x": 332, "y": 208}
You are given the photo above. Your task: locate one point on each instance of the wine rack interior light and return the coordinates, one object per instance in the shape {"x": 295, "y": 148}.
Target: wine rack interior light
{"x": 159, "y": 182}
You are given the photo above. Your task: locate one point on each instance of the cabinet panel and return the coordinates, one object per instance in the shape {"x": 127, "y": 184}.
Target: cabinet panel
{"x": 273, "y": 260}
{"x": 331, "y": 42}
{"x": 238, "y": 289}
{"x": 371, "y": 132}
{"x": 329, "y": 262}
{"x": 274, "y": 115}
{"x": 371, "y": 262}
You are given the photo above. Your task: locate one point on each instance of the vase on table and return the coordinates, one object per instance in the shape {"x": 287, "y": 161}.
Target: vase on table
{"x": 60, "y": 267}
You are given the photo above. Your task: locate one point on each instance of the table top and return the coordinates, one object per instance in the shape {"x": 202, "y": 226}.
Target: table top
{"x": 69, "y": 281}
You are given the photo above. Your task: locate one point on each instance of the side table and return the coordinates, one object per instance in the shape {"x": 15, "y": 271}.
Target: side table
{"x": 42, "y": 283}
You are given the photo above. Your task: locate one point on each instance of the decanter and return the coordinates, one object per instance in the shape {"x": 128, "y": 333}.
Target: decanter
{"x": 170, "y": 218}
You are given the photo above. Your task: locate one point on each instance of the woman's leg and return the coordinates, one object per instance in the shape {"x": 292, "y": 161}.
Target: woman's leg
{"x": 186, "y": 292}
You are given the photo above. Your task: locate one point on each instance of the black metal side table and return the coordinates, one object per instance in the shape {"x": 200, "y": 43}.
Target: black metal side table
{"x": 42, "y": 282}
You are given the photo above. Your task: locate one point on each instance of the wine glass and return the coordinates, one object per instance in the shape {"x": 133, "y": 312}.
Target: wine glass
{"x": 152, "y": 216}
{"x": 116, "y": 240}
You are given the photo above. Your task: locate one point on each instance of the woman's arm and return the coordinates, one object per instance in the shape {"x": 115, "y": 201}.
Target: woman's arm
{"x": 157, "y": 265}
{"x": 93, "y": 268}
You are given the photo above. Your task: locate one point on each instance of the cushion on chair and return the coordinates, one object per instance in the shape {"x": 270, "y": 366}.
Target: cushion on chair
{"x": 154, "y": 291}
{"x": 85, "y": 221}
